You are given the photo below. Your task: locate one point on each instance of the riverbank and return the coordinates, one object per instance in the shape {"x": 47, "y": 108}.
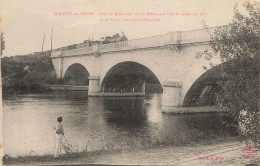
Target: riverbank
{"x": 188, "y": 110}
{"x": 27, "y": 77}
{"x": 224, "y": 151}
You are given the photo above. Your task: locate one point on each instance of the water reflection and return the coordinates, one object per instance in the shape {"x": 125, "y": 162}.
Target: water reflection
{"x": 126, "y": 112}
{"x": 96, "y": 123}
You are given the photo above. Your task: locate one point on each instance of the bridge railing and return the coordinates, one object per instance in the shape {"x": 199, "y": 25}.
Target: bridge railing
{"x": 200, "y": 35}
{"x": 113, "y": 46}
{"x": 153, "y": 41}
{"x": 136, "y": 43}
{"x": 56, "y": 53}
{"x": 78, "y": 51}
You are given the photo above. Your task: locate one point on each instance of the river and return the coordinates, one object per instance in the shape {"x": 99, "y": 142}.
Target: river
{"x": 96, "y": 123}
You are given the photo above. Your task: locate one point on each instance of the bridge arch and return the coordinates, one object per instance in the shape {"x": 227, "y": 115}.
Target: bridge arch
{"x": 204, "y": 90}
{"x": 150, "y": 64}
{"x": 76, "y": 74}
{"x": 129, "y": 75}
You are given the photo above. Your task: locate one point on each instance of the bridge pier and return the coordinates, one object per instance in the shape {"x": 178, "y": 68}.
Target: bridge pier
{"x": 94, "y": 88}
{"x": 60, "y": 68}
{"x": 143, "y": 88}
{"x": 171, "y": 99}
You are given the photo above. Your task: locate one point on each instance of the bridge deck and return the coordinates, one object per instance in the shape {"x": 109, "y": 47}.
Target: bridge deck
{"x": 185, "y": 37}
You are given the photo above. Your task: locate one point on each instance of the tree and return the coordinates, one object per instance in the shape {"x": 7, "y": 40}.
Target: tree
{"x": 238, "y": 45}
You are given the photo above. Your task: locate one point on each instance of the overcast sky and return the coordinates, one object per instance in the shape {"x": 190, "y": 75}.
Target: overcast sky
{"x": 25, "y": 21}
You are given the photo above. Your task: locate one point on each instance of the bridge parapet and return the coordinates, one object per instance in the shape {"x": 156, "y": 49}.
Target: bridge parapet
{"x": 79, "y": 51}
{"x": 195, "y": 36}
{"x": 153, "y": 41}
{"x": 113, "y": 46}
{"x": 186, "y": 37}
{"x": 55, "y": 54}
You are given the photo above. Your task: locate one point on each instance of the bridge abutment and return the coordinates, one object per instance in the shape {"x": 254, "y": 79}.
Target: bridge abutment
{"x": 171, "y": 95}
{"x": 94, "y": 83}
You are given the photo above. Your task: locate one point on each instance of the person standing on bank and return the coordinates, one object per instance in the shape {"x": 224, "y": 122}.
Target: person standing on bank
{"x": 59, "y": 137}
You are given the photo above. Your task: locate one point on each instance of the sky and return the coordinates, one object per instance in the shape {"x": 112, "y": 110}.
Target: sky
{"x": 24, "y": 22}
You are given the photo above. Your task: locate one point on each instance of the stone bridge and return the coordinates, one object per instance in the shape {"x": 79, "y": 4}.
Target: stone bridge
{"x": 124, "y": 67}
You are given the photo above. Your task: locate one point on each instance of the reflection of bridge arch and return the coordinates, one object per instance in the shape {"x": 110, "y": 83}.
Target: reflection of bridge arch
{"x": 76, "y": 74}
{"x": 129, "y": 75}
{"x": 204, "y": 90}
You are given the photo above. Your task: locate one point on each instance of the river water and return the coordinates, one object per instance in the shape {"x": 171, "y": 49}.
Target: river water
{"x": 96, "y": 123}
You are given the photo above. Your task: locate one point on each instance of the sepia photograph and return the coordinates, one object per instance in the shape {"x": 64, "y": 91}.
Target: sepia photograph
{"x": 128, "y": 82}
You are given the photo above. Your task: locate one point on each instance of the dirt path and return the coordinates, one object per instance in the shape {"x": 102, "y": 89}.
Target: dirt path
{"x": 219, "y": 153}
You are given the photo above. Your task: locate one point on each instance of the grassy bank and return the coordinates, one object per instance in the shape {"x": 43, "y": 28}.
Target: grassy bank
{"x": 27, "y": 77}
{"x": 96, "y": 156}
{"x": 48, "y": 158}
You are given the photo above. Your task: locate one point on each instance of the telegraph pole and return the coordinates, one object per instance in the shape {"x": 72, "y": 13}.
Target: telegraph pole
{"x": 51, "y": 37}
{"x": 43, "y": 43}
